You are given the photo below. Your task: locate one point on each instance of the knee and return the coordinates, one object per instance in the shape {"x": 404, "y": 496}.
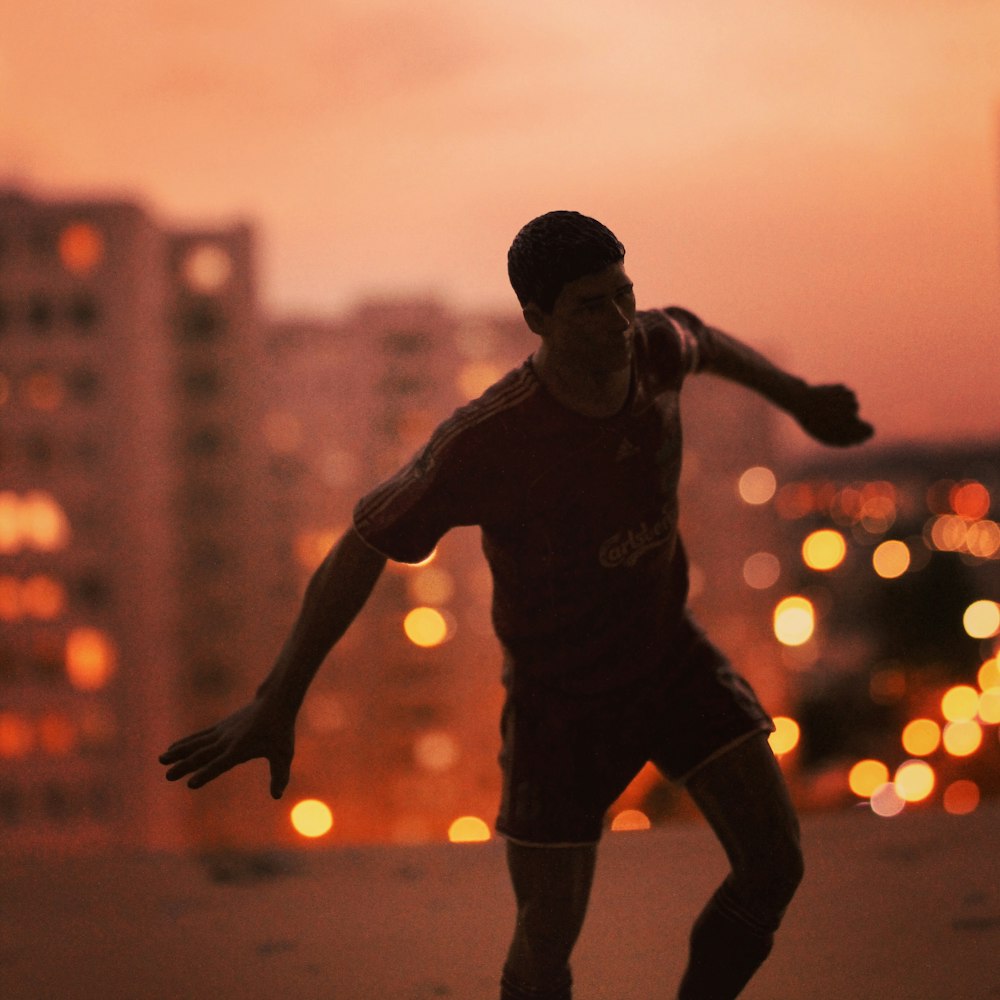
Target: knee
{"x": 772, "y": 876}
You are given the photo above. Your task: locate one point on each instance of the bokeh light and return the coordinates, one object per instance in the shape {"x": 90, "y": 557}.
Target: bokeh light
{"x": 961, "y": 797}
{"x": 630, "y": 819}
{"x": 16, "y": 736}
{"x": 982, "y": 619}
{"x": 468, "y": 830}
{"x": 81, "y": 247}
{"x": 207, "y": 267}
{"x": 891, "y": 559}
{"x": 785, "y": 737}
{"x": 436, "y": 751}
{"x": 425, "y": 627}
{"x": 824, "y": 549}
{"x": 311, "y": 818}
{"x": 970, "y": 500}
{"x": 886, "y": 801}
{"x": 761, "y": 570}
{"x": 866, "y": 776}
{"x": 962, "y": 739}
{"x": 794, "y": 621}
{"x": 757, "y": 485}
{"x": 921, "y": 737}
{"x": 989, "y": 707}
{"x": 90, "y": 658}
{"x": 989, "y": 674}
{"x": 960, "y": 703}
{"x": 914, "y": 780}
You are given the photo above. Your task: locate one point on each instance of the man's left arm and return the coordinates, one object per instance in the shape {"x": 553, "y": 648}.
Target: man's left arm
{"x": 829, "y": 413}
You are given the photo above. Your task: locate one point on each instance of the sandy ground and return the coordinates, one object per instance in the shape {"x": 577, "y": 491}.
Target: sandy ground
{"x": 900, "y": 909}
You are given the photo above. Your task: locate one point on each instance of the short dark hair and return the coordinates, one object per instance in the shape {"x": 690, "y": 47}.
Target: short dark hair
{"x": 555, "y": 249}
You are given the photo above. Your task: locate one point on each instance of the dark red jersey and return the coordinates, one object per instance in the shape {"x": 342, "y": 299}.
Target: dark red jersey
{"x": 578, "y": 514}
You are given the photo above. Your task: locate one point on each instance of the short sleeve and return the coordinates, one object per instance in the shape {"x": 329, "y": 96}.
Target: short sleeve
{"x": 691, "y": 332}
{"x": 405, "y": 517}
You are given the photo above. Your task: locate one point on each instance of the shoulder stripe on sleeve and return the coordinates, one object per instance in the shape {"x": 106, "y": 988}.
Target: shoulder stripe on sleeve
{"x": 401, "y": 485}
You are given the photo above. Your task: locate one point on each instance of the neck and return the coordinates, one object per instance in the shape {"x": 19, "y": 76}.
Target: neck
{"x": 594, "y": 393}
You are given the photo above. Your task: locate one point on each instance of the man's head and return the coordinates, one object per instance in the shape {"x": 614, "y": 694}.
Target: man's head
{"x": 555, "y": 249}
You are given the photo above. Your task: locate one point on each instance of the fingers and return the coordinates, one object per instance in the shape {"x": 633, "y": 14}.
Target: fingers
{"x": 182, "y": 747}
{"x": 192, "y": 761}
{"x": 281, "y": 770}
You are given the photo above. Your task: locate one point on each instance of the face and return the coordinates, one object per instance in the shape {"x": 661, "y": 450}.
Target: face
{"x": 590, "y": 326}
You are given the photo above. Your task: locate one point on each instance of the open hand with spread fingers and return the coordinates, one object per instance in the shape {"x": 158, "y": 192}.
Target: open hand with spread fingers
{"x": 256, "y": 730}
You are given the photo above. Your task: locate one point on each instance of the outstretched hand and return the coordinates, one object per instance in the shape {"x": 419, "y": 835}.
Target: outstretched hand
{"x": 829, "y": 413}
{"x": 256, "y": 730}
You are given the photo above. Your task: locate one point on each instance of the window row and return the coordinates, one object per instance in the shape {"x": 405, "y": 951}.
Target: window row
{"x": 48, "y": 389}
{"x": 42, "y": 315}
{"x": 43, "y": 451}
{"x": 54, "y": 803}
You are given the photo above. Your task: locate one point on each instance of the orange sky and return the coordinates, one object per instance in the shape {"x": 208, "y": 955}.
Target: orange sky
{"x": 820, "y": 177}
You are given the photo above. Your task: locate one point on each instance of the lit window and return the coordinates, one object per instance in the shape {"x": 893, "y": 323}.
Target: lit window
{"x": 81, "y": 247}
{"x": 43, "y": 598}
{"x": 16, "y": 736}
{"x": 207, "y": 268}
{"x": 90, "y": 658}
{"x": 44, "y": 390}
{"x": 44, "y": 525}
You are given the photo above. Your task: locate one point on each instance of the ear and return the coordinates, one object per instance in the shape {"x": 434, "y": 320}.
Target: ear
{"x": 535, "y": 318}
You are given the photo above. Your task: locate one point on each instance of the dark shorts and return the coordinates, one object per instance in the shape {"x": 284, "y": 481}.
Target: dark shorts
{"x": 566, "y": 758}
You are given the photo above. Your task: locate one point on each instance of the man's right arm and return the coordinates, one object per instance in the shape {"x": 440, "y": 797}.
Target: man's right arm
{"x": 265, "y": 727}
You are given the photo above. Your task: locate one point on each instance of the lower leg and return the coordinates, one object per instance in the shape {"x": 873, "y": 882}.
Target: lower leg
{"x": 744, "y": 797}
{"x": 552, "y": 888}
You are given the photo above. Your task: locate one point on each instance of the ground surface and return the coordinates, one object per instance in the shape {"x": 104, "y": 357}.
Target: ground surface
{"x": 900, "y": 909}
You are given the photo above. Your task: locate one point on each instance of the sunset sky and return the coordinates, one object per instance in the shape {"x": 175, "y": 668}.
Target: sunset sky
{"x": 820, "y": 177}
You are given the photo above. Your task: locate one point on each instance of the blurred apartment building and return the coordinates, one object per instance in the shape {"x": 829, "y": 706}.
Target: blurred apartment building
{"x": 128, "y": 490}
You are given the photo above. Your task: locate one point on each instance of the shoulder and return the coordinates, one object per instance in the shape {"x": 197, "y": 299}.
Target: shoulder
{"x": 670, "y": 338}
{"x": 491, "y": 415}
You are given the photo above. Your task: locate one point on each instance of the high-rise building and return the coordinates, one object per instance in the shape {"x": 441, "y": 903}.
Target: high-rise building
{"x": 137, "y": 548}
{"x": 88, "y": 649}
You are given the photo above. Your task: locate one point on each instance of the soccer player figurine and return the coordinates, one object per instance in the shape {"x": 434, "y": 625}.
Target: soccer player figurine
{"x": 569, "y": 464}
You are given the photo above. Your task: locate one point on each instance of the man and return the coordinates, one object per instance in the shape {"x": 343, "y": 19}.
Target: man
{"x": 570, "y": 466}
